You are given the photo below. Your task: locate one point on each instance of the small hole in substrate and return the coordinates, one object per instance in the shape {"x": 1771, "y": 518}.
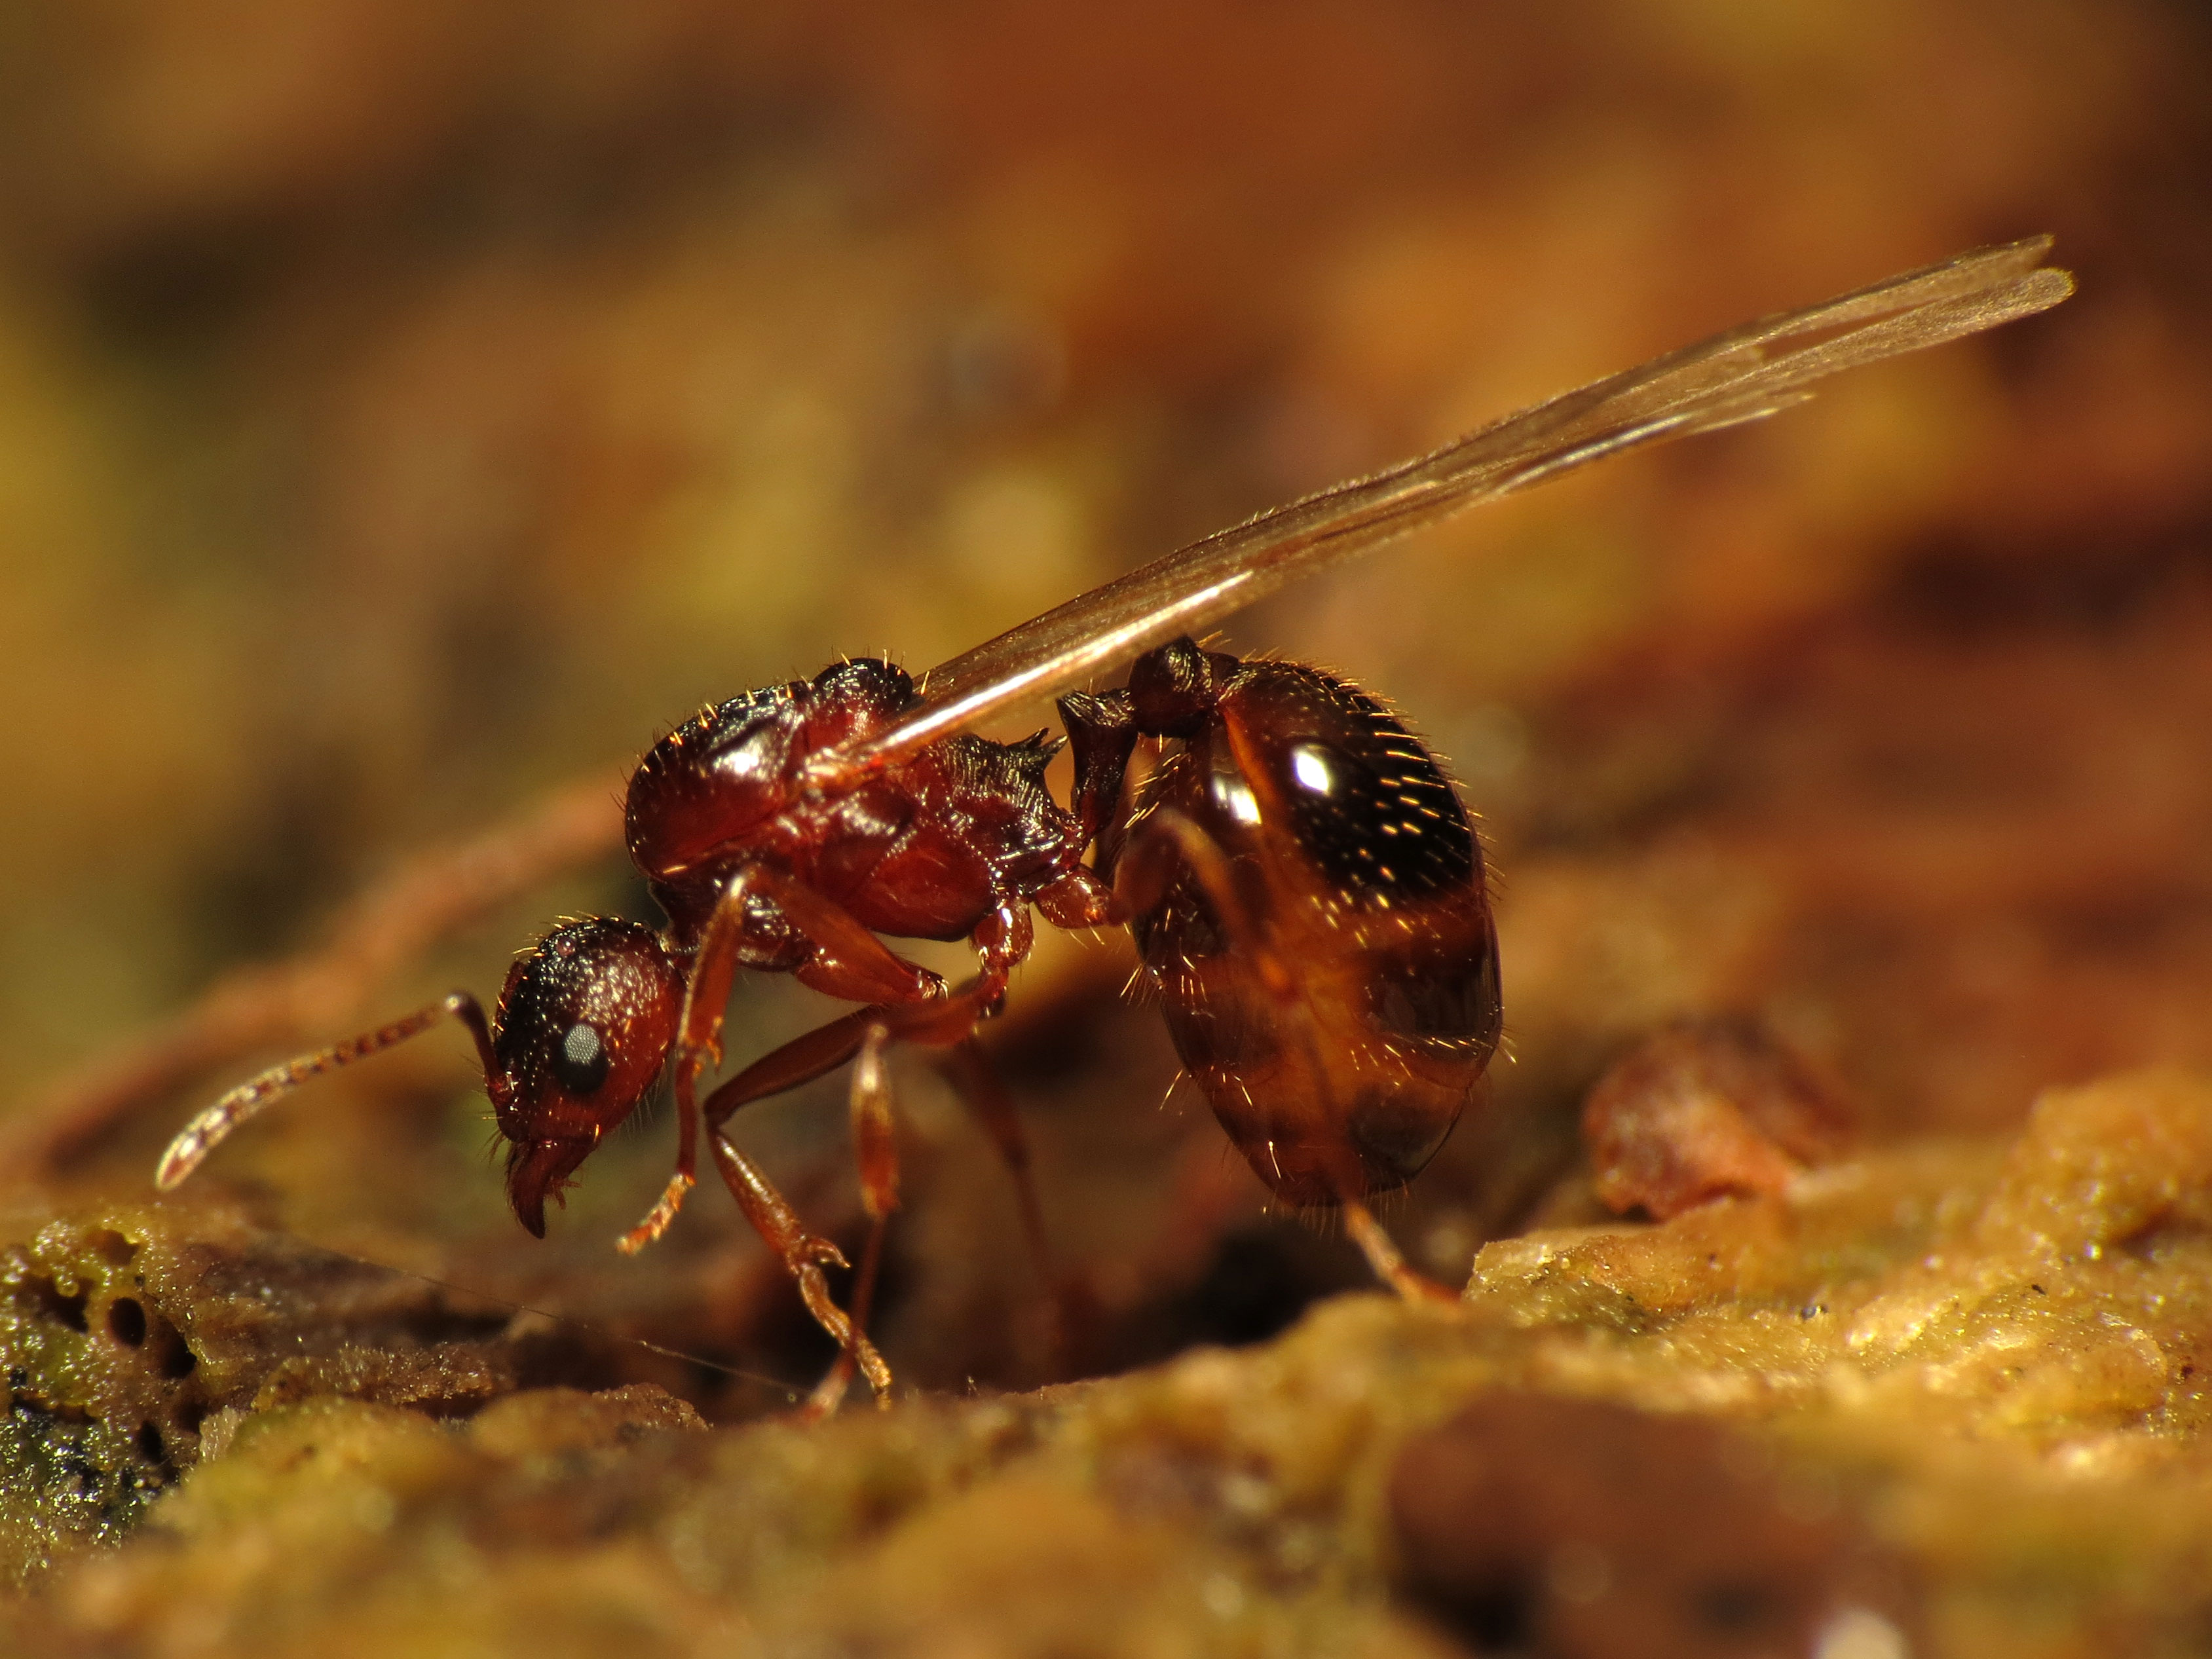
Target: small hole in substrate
{"x": 191, "y": 1414}
{"x": 68, "y": 1309}
{"x": 126, "y": 1321}
{"x": 173, "y": 1356}
{"x": 111, "y": 1246}
{"x": 150, "y": 1446}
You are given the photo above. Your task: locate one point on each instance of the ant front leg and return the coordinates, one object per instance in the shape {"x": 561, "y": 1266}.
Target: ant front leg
{"x": 849, "y": 962}
{"x": 698, "y": 1043}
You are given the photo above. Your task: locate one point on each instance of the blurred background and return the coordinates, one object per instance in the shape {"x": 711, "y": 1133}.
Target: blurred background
{"x": 407, "y": 409}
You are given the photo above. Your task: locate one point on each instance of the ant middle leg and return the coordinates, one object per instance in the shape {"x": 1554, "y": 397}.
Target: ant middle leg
{"x": 875, "y": 1151}
{"x": 851, "y": 957}
{"x": 973, "y": 1078}
{"x": 864, "y": 1037}
{"x": 938, "y": 1021}
{"x": 849, "y": 960}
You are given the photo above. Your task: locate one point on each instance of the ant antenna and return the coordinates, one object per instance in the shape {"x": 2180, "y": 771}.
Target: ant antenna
{"x": 212, "y": 1127}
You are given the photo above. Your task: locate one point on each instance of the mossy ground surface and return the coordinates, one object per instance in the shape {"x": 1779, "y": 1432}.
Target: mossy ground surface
{"x": 1975, "y": 1367}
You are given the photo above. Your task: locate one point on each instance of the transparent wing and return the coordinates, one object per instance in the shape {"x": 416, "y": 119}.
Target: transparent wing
{"x": 1742, "y": 375}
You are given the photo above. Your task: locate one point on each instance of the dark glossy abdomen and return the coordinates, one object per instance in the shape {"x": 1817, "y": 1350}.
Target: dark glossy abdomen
{"x": 1340, "y": 1040}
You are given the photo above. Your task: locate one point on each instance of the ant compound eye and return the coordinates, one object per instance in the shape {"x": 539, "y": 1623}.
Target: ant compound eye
{"x": 580, "y": 1063}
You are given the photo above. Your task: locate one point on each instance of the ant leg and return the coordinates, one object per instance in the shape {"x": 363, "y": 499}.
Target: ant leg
{"x": 940, "y": 1021}
{"x": 865, "y": 1033}
{"x": 875, "y": 1149}
{"x": 929, "y": 1017}
{"x": 698, "y": 1043}
{"x": 1147, "y": 868}
{"x": 850, "y": 962}
{"x": 968, "y": 1067}
{"x": 803, "y": 1256}
{"x": 1386, "y": 1259}
{"x": 976, "y": 1081}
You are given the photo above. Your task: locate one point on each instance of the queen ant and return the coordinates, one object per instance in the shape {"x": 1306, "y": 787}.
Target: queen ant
{"x": 1307, "y": 893}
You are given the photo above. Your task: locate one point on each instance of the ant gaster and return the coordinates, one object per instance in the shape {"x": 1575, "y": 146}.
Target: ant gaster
{"x": 1306, "y": 892}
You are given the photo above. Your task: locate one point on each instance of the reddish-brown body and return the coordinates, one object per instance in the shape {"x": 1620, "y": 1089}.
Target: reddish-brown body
{"x": 1306, "y": 890}
{"x": 955, "y": 841}
{"x": 924, "y": 848}
{"x": 1340, "y": 1020}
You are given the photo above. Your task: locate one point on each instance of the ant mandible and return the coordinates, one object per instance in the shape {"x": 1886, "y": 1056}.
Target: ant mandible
{"x": 1306, "y": 892}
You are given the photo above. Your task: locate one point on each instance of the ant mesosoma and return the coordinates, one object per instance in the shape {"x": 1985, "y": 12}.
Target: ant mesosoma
{"x": 1306, "y": 892}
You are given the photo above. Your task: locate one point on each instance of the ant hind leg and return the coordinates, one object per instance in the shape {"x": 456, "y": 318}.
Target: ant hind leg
{"x": 969, "y": 1069}
{"x": 875, "y": 1149}
{"x": 1388, "y": 1262}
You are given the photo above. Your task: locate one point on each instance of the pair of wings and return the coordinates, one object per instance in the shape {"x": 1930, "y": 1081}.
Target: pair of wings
{"x": 1744, "y": 374}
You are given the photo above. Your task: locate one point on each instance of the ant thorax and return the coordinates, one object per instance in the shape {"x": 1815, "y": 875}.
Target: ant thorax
{"x": 921, "y": 848}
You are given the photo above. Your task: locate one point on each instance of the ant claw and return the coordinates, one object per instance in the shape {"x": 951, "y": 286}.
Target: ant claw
{"x": 656, "y": 1222}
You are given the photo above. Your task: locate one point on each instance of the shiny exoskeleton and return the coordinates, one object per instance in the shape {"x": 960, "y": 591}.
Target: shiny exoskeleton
{"x": 1306, "y": 890}
{"x": 756, "y": 870}
{"x": 1307, "y": 897}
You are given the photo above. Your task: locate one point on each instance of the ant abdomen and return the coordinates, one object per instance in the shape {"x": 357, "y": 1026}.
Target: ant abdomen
{"x": 585, "y": 1022}
{"x": 1321, "y": 938}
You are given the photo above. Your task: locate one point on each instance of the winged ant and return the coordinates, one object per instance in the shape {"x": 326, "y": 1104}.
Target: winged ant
{"x": 1306, "y": 890}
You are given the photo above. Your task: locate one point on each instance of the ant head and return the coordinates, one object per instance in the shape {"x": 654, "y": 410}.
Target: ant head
{"x": 585, "y": 1023}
